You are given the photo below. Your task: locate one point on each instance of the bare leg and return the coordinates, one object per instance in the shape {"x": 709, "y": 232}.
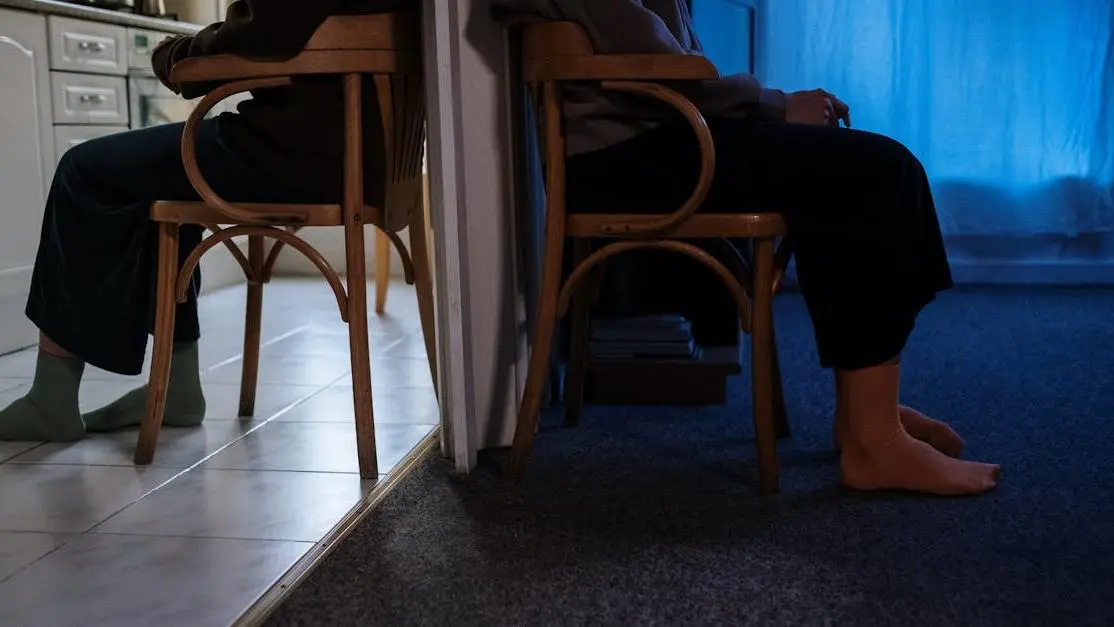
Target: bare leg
{"x": 879, "y": 454}
{"x": 47, "y": 345}
{"x": 934, "y": 432}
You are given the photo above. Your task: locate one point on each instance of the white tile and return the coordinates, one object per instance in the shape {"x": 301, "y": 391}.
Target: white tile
{"x": 295, "y": 360}
{"x": 415, "y": 406}
{"x": 316, "y": 447}
{"x": 19, "y": 365}
{"x": 211, "y": 570}
{"x": 8, "y": 450}
{"x": 396, "y": 373}
{"x": 410, "y": 346}
{"x": 177, "y": 447}
{"x": 19, "y": 549}
{"x": 110, "y": 581}
{"x": 70, "y": 499}
{"x": 222, "y": 400}
{"x": 300, "y": 506}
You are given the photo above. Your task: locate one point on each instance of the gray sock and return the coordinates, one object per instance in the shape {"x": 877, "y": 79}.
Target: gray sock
{"x": 49, "y": 412}
{"x": 185, "y": 402}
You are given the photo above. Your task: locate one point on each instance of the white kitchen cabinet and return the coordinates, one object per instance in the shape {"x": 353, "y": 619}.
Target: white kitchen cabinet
{"x": 26, "y": 156}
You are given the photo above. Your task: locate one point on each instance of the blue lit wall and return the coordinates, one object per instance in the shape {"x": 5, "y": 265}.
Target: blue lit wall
{"x": 1009, "y": 104}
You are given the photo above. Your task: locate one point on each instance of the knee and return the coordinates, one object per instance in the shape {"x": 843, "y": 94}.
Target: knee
{"x": 898, "y": 155}
{"x": 75, "y": 164}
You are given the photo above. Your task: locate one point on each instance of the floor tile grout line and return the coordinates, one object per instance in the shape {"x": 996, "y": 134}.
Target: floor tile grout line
{"x": 183, "y": 469}
{"x": 180, "y": 536}
{"x": 3, "y": 580}
{"x": 19, "y": 570}
{"x": 18, "y": 382}
{"x": 270, "y": 342}
{"x": 24, "y": 452}
{"x": 211, "y": 455}
{"x": 272, "y": 598}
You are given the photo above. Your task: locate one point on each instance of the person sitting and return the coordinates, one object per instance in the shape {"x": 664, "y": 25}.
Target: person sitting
{"x": 857, "y": 205}
{"x": 92, "y": 288}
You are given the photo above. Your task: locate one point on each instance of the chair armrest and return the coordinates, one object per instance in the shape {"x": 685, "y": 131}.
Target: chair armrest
{"x": 223, "y": 68}
{"x": 618, "y": 67}
{"x": 562, "y": 51}
{"x": 705, "y": 142}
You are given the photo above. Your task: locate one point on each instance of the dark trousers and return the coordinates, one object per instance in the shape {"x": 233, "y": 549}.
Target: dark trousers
{"x": 858, "y": 207}
{"x": 92, "y": 290}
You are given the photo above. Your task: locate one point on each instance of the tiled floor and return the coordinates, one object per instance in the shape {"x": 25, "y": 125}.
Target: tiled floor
{"x": 87, "y": 539}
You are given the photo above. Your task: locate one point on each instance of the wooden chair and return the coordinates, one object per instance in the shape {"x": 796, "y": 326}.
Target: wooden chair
{"x": 383, "y": 246}
{"x": 386, "y": 46}
{"x": 556, "y": 53}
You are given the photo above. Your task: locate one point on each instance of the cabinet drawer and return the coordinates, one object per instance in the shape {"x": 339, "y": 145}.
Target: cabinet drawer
{"x": 66, "y": 137}
{"x": 80, "y": 46}
{"x": 89, "y": 99}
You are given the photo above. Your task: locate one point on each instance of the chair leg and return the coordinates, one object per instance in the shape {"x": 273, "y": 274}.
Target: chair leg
{"x": 781, "y": 415}
{"x": 423, "y": 279}
{"x": 360, "y": 350}
{"x": 253, "y": 321}
{"x": 578, "y": 338}
{"x": 165, "y": 307}
{"x": 542, "y": 342}
{"x": 382, "y": 269}
{"x": 762, "y": 364}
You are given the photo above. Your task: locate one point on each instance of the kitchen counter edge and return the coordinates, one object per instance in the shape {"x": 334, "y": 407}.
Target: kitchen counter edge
{"x": 65, "y": 9}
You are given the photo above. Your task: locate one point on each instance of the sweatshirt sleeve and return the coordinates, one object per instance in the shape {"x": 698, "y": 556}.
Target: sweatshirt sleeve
{"x": 632, "y": 27}
{"x": 264, "y": 29}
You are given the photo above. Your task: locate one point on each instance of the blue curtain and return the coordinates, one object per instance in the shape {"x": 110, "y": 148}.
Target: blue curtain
{"x": 1008, "y": 103}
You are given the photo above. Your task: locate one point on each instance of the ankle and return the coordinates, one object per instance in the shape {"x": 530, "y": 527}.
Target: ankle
{"x": 50, "y": 347}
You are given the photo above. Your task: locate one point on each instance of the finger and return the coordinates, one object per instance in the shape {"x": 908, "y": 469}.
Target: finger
{"x": 842, "y": 110}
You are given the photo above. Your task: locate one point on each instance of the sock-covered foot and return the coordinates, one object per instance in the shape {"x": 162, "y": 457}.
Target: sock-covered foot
{"x": 185, "y": 401}
{"x": 49, "y": 412}
{"x": 902, "y": 462}
{"x": 935, "y": 433}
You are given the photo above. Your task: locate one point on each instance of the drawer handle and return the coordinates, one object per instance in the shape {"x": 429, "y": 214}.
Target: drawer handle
{"x": 91, "y": 46}
{"x": 93, "y": 98}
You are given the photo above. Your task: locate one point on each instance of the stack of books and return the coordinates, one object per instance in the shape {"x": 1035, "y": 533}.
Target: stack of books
{"x": 666, "y": 336}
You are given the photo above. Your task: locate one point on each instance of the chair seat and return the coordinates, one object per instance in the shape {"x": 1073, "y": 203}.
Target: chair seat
{"x": 700, "y": 225}
{"x": 194, "y": 212}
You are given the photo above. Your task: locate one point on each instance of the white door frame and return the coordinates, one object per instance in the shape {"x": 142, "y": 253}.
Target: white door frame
{"x": 447, "y": 223}
{"x": 481, "y": 317}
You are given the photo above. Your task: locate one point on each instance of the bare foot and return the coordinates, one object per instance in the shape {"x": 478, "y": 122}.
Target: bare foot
{"x": 933, "y": 432}
{"x": 901, "y": 462}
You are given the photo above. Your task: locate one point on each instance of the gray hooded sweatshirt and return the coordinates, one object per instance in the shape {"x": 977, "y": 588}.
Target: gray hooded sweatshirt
{"x": 597, "y": 119}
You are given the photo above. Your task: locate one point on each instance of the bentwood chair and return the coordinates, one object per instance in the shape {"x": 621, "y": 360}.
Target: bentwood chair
{"x": 385, "y": 48}
{"x": 558, "y": 53}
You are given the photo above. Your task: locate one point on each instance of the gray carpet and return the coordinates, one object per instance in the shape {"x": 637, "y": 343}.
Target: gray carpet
{"x": 649, "y": 515}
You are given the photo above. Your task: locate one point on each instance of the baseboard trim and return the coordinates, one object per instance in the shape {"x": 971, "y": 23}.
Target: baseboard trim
{"x": 1073, "y": 273}
{"x": 274, "y": 597}
{"x": 1032, "y": 273}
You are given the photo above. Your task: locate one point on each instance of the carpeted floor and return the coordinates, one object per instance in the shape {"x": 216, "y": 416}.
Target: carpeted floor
{"x": 649, "y": 515}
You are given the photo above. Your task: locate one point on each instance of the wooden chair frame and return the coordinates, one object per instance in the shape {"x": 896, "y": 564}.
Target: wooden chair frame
{"x": 386, "y": 46}
{"x": 556, "y": 53}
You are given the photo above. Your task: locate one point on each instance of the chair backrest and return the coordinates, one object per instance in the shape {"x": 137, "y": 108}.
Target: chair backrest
{"x": 401, "y": 102}
{"x": 386, "y": 45}
{"x": 561, "y": 51}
